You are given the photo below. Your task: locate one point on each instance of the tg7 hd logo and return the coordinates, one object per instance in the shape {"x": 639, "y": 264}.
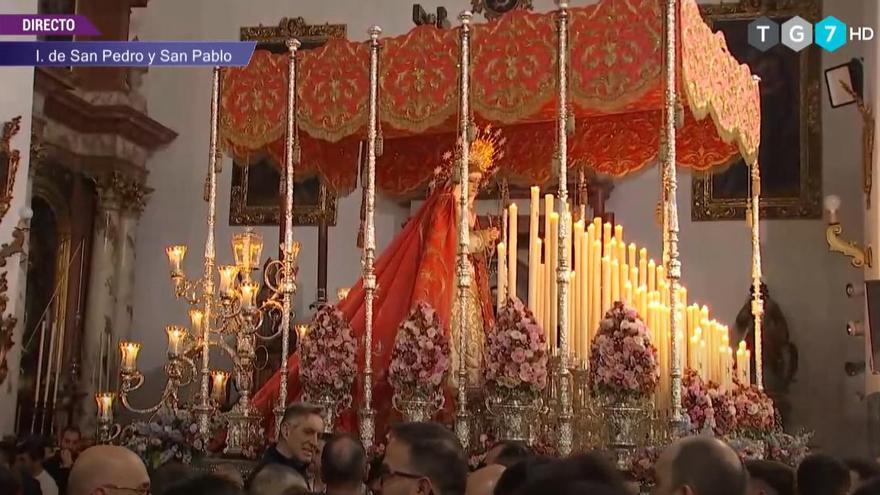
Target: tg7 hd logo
{"x": 796, "y": 33}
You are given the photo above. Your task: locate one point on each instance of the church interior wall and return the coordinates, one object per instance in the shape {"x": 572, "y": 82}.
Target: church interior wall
{"x": 804, "y": 278}
{"x": 15, "y": 99}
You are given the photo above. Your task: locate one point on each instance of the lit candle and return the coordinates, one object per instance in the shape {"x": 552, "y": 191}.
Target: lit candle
{"x": 554, "y": 265}
{"x": 580, "y": 273}
{"x": 621, "y": 254}
{"x": 615, "y": 281}
{"x": 694, "y": 348}
{"x": 596, "y": 287}
{"x": 606, "y": 284}
{"x": 501, "y": 271}
{"x": 606, "y": 239}
{"x": 218, "y": 386}
{"x": 704, "y": 372}
{"x": 652, "y": 276}
{"x": 628, "y": 293}
{"x": 618, "y": 234}
{"x": 196, "y": 318}
{"x": 228, "y": 273}
{"x": 175, "y": 258}
{"x": 612, "y": 249}
{"x": 634, "y": 276}
{"x": 748, "y": 367}
{"x": 541, "y": 314}
{"x": 534, "y": 247}
{"x": 248, "y": 295}
{"x": 513, "y": 249}
{"x": 176, "y": 338}
{"x": 631, "y": 260}
{"x": 129, "y": 351}
{"x": 643, "y": 267}
{"x": 624, "y": 275}
{"x": 539, "y": 283}
{"x": 105, "y": 406}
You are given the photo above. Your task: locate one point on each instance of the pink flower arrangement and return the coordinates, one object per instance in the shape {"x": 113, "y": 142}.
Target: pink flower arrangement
{"x": 420, "y": 358}
{"x": 643, "y": 463}
{"x": 696, "y": 401}
{"x": 755, "y": 413}
{"x": 726, "y": 413}
{"x": 516, "y": 355}
{"x": 788, "y": 449}
{"x": 623, "y": 360}
{"x": 328, "y": 356}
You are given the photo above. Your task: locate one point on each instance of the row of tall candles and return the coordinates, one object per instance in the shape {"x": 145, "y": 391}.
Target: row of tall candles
{"x": 604, "y": 270}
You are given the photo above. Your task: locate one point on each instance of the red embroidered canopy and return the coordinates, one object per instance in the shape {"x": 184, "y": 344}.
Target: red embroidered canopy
{"x": 616, "y": 94}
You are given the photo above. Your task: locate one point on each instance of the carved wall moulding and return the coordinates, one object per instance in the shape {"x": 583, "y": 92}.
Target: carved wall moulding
{"x": 295, "y": 27}
{"x": 791, "y": 134}
{"x": 116, "y": 190}
{"x": 9, "y": 159}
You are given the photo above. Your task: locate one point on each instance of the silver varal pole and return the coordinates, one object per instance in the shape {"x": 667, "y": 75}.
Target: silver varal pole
{"x": 367, "y": 415}
{"x": 462, "y": 426}
{"x": 562, "y": 271}
{"x": 757, "y": 273}
{"x": 204, "y": 408}
{"x": 287, "y": 285}
{"x": 670, "y": 187}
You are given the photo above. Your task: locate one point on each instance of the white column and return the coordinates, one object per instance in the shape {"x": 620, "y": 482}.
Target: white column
{"x": 100, "y": 300}
{"x": 132, "y": 204}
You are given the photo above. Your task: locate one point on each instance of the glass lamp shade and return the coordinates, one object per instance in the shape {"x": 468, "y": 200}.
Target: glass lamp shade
{"x": 218, "y": 386}
{"x": 105, "y": 406}
{"x": 176, "y": 339}
{"x": 247, "y": 248}
{"x": 197, "y": 319}
{"x": 248, "y": 294}
{"x": 129, "y": 351}
{"x": 175, "y": 258}
{"x": 301, "y": 330}
{"x": 228, "y": 274}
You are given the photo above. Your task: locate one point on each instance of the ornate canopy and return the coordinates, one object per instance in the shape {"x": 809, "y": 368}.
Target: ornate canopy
{"x": 616, "y": 92}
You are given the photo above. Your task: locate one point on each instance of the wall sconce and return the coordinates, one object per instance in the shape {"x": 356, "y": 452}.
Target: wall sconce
{"x": 854, "y": 368}
{"x": 859, "y": 257}
{"x": 855, "y": 328}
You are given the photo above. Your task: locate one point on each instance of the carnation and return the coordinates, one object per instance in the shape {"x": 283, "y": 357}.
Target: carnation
{"x": 621, "y": 346}
{"x": 328, "y": 356}
{"x": 516, "y": 351}
{"x": 726, "y": 412}
{"x": 696, "y": 401}
{"x": 756, "y": 415}
{"x": 420, "y": 358}
{"x": 168, "y": 436}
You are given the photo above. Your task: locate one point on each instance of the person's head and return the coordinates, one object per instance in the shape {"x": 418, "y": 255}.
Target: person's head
{"x": 861, "y": 470}
{"x": 71, "y": 439}
{"x": 822, "y": 474}
{"x": 700, "y": 466}
{"x": 108, "y": 470}
{"x": 517, "y": 476}
{"x": 275, "y": 479}
{"x": 300, "y": 432}
{"x": 205, "y": 484}
{"x": 770, "y": 478}
{"x": 9, "y": 481}
{"x": 29, "y": 456}
{"x": 483, "y": 480}
{"x": 507, "y": 453}
{"x": 343, "y": 462}
{"x": 869, "y": 487}
{"x": 556, "y": 477}
{"x": 374, "y": 474}
{"x": 168, "y": 475}
{"x": 423, "y": 458}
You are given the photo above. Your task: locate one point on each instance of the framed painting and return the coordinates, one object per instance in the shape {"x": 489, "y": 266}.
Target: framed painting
{"x": 791, "y": 146}
{"x": 256, "y": 185}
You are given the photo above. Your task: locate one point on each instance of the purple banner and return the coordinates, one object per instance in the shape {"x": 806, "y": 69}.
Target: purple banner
{"x": 46, "y": 25}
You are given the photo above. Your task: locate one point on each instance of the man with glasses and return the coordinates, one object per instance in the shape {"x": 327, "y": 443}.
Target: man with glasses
{"x": 108, "y": 470}
{"x": 423, "y": 459}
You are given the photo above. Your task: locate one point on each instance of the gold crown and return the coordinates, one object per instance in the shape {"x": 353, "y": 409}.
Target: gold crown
{"x": 484, "y": 151}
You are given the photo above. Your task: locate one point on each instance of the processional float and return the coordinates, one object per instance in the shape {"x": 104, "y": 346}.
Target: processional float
{"x": 629, "y": 113}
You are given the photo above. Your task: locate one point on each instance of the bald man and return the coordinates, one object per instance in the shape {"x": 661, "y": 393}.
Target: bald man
{"x": 483, "y": 480}
{"x": 700, "y": 466}
{"x": 108, "y": 470}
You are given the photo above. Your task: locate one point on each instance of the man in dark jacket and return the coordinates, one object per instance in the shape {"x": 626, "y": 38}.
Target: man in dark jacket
{"x": 298, "y": 441}
{"x": 59, "y": 464}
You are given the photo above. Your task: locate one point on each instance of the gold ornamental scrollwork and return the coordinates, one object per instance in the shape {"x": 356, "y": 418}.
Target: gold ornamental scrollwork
{"x": 295, "y": 27}
{"x": 9, "y": 160}
{"x": 7, "y": 322}
{"x": 493, "y": 9}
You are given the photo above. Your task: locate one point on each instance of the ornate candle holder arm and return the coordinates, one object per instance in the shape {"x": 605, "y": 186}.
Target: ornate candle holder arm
{"x": 859, "y": 256}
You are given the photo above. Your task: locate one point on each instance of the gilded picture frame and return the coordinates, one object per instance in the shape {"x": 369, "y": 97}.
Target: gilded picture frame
{"x": 255, "y": 197}
{"x": 791, "y": 134}
{"x": 9, "y": 160}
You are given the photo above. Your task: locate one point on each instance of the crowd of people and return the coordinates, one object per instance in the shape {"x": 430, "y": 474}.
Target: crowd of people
{"x": 418, "y": 459}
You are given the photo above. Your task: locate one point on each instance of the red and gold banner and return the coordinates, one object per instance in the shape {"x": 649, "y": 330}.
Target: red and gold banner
{"x": 616, "y": 94}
